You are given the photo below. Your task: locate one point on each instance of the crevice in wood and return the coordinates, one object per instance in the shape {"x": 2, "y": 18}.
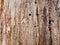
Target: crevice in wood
{"x": 50, "y": 39}
{"x": 38, "y": 23}
{"x": 37, "y": 11}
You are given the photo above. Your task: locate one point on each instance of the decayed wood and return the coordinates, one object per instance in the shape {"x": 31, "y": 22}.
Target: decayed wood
{"x": 29, "y": 22}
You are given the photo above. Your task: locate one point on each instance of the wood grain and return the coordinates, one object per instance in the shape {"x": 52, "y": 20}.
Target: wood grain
{"x": 29, "y": 22}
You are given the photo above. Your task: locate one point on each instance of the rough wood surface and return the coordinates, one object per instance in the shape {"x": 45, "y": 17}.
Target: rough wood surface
{"x": 29, "y": 22}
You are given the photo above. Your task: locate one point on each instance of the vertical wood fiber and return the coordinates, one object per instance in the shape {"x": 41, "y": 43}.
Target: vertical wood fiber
{"x": 29, "y": 22}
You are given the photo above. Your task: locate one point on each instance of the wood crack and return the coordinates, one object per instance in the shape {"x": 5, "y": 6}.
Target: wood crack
{"x": 50, "y": 39}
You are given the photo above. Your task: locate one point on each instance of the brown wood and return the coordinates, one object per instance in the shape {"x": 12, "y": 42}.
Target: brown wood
{"x": 29, "y": 22}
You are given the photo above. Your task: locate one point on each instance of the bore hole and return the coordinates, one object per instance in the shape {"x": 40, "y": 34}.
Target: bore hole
{"x": 49, "y": 24}
{"x": 49, "y": 21}
{"x": 49, "y": 28}
{"x": 35, "y": 2}
{"x": 37, "y": 14}
{"x": 29, "y": 14}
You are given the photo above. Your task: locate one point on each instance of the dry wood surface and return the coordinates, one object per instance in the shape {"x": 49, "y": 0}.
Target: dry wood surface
{"x": 29, "y": 22}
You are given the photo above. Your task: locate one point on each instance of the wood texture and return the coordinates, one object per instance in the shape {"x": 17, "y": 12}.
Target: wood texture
{"x": 29, "y": 22}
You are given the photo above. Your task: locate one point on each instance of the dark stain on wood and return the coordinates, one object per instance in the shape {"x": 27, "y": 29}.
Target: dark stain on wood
{"x": 1, "y": 9}
{"x": 44, "y": 25}
{"x": 44, "y": 10}
{"x": 42, "y": 36}
{"x": 44, "y": 16}
{"x": 20, "y": 43}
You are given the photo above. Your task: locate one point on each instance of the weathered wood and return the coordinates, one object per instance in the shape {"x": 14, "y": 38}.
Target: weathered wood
{"x": 29, "y": 22}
